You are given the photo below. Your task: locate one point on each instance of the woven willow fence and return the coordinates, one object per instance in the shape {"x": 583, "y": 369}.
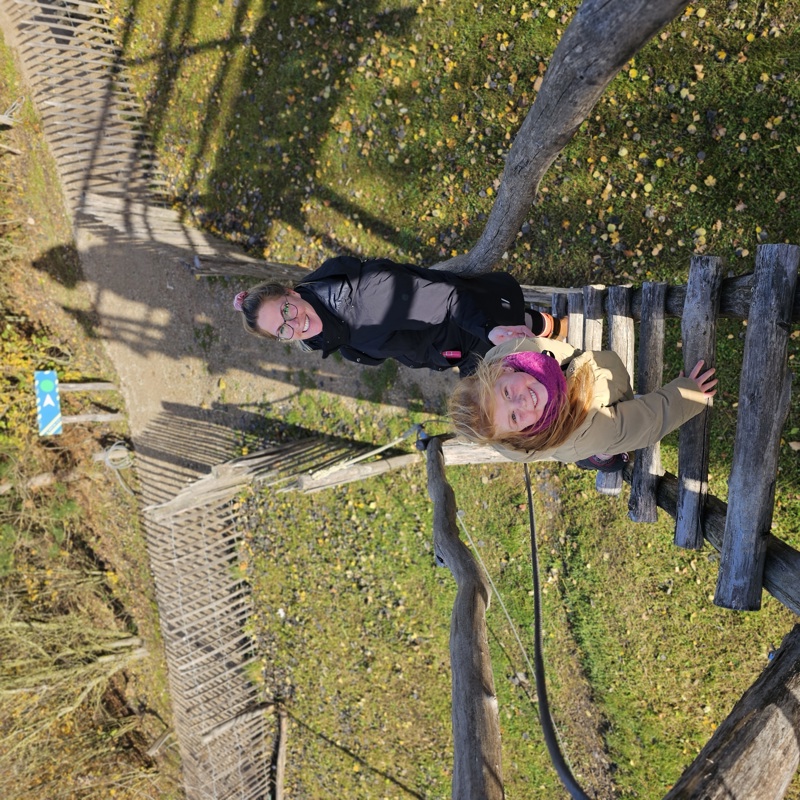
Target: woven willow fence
{"x": 203, "y": 605}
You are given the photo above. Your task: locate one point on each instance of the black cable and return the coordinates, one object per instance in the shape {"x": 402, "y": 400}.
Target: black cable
{"x": 548, "y": 729}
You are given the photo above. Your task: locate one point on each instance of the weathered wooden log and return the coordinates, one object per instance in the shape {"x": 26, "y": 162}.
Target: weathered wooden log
{"x": 621, "y": 339}
{"x": 607, "y": 483}
{"x": 69, "y": 419}
{"x": 477, "y": 769}
{"x": 764, "y": 393}
{"x": 621, "y": 336}
{"x": 756, "y": 750}
{"x": 575, "y": 320}
{"x": 280, "y": 761}
{"x": 699, "y": 335}
{"x": 782, "y": 562}
{"x": 593, "y": 296}
{"x": 734, "y": 298}
{"x": 558, "y": 306}
{"x": 544, "y": 296}
{"x": 355, "y": 472}
{"x": 642, "y": 505}
{"x": 96, "y": 386}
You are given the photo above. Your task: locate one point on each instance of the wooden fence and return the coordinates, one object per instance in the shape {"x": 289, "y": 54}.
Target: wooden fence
{"x": 312, "y": 465}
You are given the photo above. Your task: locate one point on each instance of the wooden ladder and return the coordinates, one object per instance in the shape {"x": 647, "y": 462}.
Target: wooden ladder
{"x": 768, "y": 300}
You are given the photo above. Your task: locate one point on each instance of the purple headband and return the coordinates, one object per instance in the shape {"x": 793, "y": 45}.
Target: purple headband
{"x": 238, "y": 300}
{"x": 547, "y": 371}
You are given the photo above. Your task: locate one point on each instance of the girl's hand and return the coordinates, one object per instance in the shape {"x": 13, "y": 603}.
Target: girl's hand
{"x": 705, "y": 382}
{"x": 505, "y": 333}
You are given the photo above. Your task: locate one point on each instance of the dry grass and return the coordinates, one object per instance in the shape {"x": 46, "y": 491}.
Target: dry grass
{"x": 82, "y": 677}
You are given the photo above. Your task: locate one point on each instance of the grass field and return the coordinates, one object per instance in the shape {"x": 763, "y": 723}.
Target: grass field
{"x": 306, "y": 129}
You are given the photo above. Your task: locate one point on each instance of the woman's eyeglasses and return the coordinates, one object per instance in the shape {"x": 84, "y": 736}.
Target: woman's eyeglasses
{"x": 288, "y": 312}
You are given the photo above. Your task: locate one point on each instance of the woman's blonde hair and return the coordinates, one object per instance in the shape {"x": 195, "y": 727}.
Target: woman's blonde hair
{"x": 471, "y": 409}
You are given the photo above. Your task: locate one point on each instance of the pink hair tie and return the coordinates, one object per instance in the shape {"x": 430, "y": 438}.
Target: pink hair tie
{"x": 238, "y": 300}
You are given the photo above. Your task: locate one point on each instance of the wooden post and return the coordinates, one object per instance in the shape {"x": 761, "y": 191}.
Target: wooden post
{"x": 559, "y": 307}
{"x": 756, "y": 750}
{"x": 764, "y": 394}
{"x": 621, "y": 341}
{"x": 477, "y": 770}
{"x": 607, "y": 483}
{"x": 593, "y": 297}
{"x": 621, "y": 337}
{"x": 734, "y": 298}
{"x": 699, "y": 335}
{"x": 280, "y": 765}
{"x": 782, "y": 563}
{"x": 642, "y": 505}
{"x": 575, "y": 317}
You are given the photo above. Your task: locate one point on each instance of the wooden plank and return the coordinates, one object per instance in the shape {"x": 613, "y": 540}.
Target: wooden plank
{"x": 764, "y": 394}
{"x": 593, "y": 297}
{"x": 460, "y": 451}
{"x": 642, "y": 504}
{"x": 73, "y": 418}
{"x": 621, "y": 339}
{"x": 357, "y": 472}
{"x": 558, "y": 305}
{"x": 734, "y": 298}
{"x": 621, "y": 336}
{"x": 477, "y": 768}
{"x": 280, "y": 765}
{"x": 607, "y": 483}
{"x": 575, "y": 317}
{"x": 756, "y": 749}
{"x": 97, "y": 386}
{"x": 782, "y": 563}
{"x": 699, "y": 336}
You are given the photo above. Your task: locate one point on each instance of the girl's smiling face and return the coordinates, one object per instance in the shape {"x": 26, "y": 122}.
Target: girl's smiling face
{"x": 519, "y": 401}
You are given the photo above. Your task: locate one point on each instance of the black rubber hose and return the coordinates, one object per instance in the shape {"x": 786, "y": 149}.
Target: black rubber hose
{"x": 548, "y": 729}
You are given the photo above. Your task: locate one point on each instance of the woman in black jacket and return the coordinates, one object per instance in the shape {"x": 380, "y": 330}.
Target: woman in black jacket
{"x": 373, "y": 310}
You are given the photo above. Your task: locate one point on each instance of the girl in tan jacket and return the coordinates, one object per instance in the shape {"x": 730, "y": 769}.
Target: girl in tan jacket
{"x": 541, "y": 399}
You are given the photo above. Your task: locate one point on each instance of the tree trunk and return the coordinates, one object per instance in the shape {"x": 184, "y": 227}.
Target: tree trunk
{"x": 601, "y": 38}
{"x": 756, "y": 750}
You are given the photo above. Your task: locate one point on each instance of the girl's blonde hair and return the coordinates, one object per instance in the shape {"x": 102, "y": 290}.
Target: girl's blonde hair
{"x": 471, "y": 409}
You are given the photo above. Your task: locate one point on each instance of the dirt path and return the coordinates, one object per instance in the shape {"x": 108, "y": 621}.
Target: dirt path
{"x": 177, "y": 342}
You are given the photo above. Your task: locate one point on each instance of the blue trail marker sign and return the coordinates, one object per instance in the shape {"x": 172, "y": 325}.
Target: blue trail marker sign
{"x": 48, "y": 404}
